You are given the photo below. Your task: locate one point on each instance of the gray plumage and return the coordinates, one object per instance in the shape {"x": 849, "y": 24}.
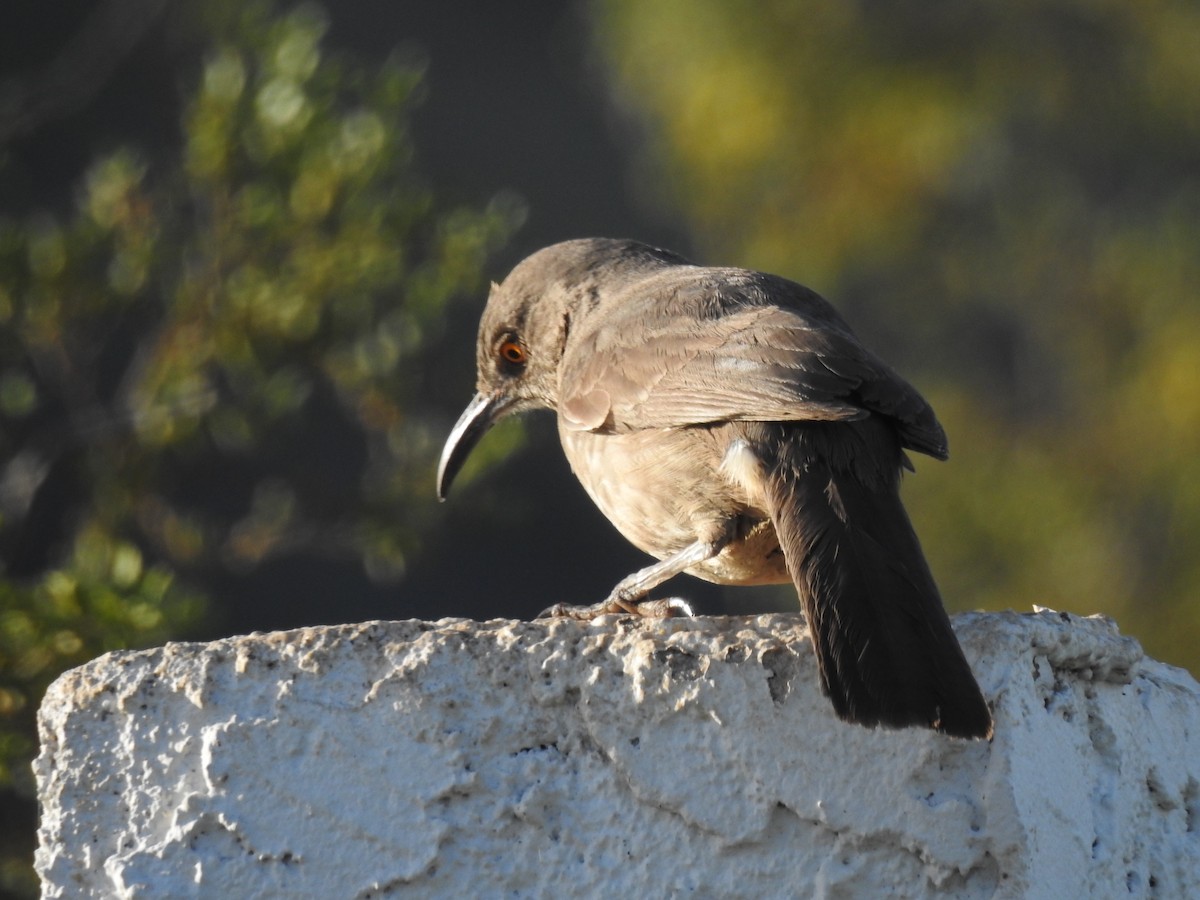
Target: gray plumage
{"x": 730, "y": 424}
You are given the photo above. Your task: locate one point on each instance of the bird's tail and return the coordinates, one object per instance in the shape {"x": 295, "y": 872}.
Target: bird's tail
{"x": 884, "y": 645}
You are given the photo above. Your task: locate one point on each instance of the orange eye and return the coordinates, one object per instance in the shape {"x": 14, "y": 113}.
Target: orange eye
{"x": 513, "y": 353}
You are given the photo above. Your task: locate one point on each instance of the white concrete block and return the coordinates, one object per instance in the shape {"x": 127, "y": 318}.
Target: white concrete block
{"x": 617, "y": 758}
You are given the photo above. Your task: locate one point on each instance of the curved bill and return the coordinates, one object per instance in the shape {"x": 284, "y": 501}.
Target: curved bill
{"x": 484, "y": 411}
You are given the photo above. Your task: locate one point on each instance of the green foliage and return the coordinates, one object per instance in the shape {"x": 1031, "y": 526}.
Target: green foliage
{"x": 1004, "y": 198}
{"x": 209, "y": 311}
{"x": 102, "y": 598}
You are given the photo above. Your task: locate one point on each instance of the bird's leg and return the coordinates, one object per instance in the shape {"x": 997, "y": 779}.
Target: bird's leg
{"x": 628, "y": 596}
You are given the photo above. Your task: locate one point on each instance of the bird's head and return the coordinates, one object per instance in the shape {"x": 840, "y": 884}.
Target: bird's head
{"x": 524, "y": 330}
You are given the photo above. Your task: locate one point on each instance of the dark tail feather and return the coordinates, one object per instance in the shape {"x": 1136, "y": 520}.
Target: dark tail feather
{"x": 886, "y": 651}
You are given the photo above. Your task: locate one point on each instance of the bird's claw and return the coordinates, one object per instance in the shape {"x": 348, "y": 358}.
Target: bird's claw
{"x": 664, "y": 608}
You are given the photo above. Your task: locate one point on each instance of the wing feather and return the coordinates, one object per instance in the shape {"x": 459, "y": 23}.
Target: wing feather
{"x": 691, "y": 346}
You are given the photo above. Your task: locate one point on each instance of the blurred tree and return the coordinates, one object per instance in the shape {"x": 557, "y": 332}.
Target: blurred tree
{"x": 248, "y": 310}
{"x": 1005, "y": 199}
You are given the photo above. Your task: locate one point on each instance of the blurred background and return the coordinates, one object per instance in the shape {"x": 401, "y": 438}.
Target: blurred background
{"x": 244, "y": 247}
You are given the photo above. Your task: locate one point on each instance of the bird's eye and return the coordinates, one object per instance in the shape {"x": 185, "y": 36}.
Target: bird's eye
{"x": 512, "y": 353}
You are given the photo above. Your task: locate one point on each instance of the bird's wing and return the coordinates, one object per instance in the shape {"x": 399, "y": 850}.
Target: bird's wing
{"x": 719, "y": 349}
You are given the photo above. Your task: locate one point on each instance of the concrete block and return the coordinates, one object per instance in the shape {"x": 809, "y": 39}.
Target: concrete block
{"x": 615, "y": 758}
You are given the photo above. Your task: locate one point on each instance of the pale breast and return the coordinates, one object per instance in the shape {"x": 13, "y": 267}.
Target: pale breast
{"x": 665, "y": 489}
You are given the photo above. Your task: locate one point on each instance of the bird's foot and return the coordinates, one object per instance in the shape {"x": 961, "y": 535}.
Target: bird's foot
{"x": 665, "y": 608}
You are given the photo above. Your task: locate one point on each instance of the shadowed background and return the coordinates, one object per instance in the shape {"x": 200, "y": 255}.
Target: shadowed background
{"x": 243, "y": 250}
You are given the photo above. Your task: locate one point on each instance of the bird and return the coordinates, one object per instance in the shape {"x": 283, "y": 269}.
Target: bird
{"x": 731, "y": 425}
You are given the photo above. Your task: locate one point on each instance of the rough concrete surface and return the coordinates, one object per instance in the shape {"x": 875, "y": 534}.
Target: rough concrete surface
{"x": 616, "y": 758}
